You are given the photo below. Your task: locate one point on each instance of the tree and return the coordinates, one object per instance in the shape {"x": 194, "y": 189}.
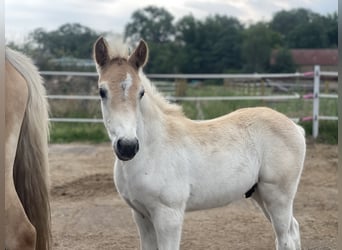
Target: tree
{"x": 188, "y": 41}
{"x": 69, "y": 40}
{"x": 163, "y": 58}
{"x": 152, "y": 24}
{"x": 72, "y": 40}
{"x": 283, "y": 62}
{"x": 302, "y": 28}
{"x": 155, "y": 26}
{"x": 285, "y": 21}
{"x": 38, "y": 48}
{"x": 257, "y": 45}
{"x": 308, "y": 35}
{"x": 222, "y": 44}
{"x": 221, "y": 37}
{"x": 210, "y": 46}
{"x": 330, "y": 23}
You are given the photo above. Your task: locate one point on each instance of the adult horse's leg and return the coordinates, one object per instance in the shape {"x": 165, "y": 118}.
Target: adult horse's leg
{"x": 148, "y": 237}
{"x": 20, "y": 234}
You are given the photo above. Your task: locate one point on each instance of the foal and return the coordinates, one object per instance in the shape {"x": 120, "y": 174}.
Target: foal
{"x": 167, "y": 164}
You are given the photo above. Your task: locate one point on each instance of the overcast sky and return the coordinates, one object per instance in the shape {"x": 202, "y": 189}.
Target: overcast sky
{"x": 22, "y": 17}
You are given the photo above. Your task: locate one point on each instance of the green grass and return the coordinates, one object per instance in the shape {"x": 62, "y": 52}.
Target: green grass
{"x": 80, "y": 132}
{"x": 328, "y": 131}
{"x": 211, "y": 109}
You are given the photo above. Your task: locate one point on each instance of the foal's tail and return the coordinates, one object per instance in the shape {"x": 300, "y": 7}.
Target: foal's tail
{"x": 30, "y": 170}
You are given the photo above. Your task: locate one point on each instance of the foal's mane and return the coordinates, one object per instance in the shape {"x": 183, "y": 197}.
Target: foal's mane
{"x": 117, "y": 50}
{"x": 164, "y": 105}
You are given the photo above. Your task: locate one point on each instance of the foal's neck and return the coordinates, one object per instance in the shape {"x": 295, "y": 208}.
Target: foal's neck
{"x": 158, "y": 114}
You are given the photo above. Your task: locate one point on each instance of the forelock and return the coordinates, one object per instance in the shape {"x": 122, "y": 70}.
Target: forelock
{"x": 117, "y": 48}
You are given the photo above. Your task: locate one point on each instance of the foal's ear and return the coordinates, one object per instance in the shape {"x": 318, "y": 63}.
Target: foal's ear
{"x": 100, "y": 52}
{"x": 139, "y": 57}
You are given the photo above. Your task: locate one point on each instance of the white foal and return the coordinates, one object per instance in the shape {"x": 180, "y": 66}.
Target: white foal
{"x": 168, "y": 164}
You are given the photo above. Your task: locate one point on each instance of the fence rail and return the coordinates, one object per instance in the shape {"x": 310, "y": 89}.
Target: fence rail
{"x": 316, "y": 95}
{"x": 188, "y": 98}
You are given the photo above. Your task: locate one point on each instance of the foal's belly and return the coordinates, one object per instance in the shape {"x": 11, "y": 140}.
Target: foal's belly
{"x": 218, "y": 185}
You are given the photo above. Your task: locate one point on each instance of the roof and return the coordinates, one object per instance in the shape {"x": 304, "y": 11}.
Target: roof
{"x": 315, "y": 56}
{"x": 312, "y": 56}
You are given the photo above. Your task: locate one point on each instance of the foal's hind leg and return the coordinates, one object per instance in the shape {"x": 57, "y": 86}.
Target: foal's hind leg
{"x": 256, "y": 196}
{"x": 295, "y": 233}
{"x": 279, "y": 205}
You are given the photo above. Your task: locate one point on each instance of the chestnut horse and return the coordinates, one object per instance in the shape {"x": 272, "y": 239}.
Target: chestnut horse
{"x": 27, "y": 209}
{"x": 167, "y": 164}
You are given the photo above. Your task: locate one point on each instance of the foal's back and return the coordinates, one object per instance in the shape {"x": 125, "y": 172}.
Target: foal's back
{"x": 259, "y": 124}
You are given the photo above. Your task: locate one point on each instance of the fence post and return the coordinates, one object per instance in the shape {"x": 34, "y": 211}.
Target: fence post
{"x": 315, "y": 109}
{"x": 181, "y": 86}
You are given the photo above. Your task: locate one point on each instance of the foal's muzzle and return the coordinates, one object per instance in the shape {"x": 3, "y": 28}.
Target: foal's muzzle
{"x": 126, "y": 149}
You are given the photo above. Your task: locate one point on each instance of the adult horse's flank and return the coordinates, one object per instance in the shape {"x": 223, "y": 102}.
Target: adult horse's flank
{"x": 168, "y": 164}
{"x": 27, "y": 207}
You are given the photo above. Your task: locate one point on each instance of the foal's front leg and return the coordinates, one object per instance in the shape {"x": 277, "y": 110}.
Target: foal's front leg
{"x": 148, "y": 237}
{"x": 168, "y": 226}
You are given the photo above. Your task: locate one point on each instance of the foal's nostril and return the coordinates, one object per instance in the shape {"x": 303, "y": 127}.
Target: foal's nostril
{"x": 126, "y": 149}
{"x": 120, "y": 144}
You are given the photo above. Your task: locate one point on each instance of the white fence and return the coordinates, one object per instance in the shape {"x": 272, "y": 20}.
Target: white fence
{"x": 316, "y": 95}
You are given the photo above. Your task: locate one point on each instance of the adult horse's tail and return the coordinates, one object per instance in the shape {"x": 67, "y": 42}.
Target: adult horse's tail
{"x": 30, "y": 170}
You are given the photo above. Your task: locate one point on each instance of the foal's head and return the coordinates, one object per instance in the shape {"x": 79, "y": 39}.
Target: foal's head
{"x": 121, "y": 90}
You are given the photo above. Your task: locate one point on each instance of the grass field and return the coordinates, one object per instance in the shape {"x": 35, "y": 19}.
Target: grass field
{"x": 95, "y": 133}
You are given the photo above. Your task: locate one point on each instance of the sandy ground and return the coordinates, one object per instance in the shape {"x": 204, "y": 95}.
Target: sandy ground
{"x": 87, "y": 212}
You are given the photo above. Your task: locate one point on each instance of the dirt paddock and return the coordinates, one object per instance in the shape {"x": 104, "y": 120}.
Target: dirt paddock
{"x": 87, "y": 212}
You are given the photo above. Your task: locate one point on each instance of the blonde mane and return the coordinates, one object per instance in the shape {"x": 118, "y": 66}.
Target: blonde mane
{"x": 164, "y": 105}
{"x": 117, "y": 48}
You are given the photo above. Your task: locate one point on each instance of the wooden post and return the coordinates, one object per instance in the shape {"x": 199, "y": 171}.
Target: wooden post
{"x": 326, "y": 87}
{"x": 262, "y": 87}
{"x": 181, "y": 87}
{"x": 200, "y": 115}
{"x": 262, "y": 82}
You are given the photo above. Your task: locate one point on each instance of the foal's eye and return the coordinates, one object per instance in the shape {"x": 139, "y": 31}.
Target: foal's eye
{"x": 103, "y": 93}
{"x": 141, "y": 94}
